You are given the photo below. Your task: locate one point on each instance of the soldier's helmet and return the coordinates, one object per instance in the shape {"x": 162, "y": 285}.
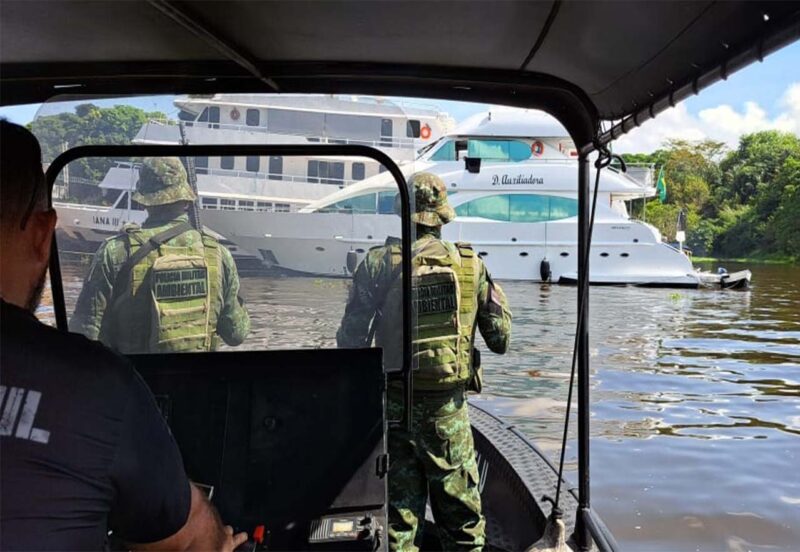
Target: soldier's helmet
{"x": 162, "y": 180}
{"x": 431, "y": 207}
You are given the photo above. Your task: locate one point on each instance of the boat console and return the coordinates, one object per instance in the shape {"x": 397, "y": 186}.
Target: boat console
{"x": 290, "y": 445}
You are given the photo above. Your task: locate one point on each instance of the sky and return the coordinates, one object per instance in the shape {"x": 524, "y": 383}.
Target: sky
{"x": 759, "y": 97}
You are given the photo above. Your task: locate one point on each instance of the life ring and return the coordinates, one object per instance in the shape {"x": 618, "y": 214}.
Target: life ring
{"x": 425, "y": 132}
{"x": 235, "y": 114}
{"x": 537, "y": 148}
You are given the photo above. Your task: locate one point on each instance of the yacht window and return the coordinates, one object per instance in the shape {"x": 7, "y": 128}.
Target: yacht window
{"x": 499, "y": 150}
{"x": 357, "y": 171}
{"x": 282, "y": 208}
{"x": 201, "y": 165}
{"x": 387, "y": 131}
{"x": 520, "y": 208}
{"x": 386, "y": 203}
{"x": 381, "y": 169}
{"x": 252, "y": 117}
{"x": 264, "y": 207}
{"x": 530, "y": 208}
{"x": 226, "y": 163}
{"x": 213, "y": 116}
{"x": 227, "y": 204}
{"x": 208, "y": 202}
{"x": 246, "y": 205}
{"x": 275, "y": 167}
{"x": 445, "y": 153}
{"x": 325, "y": 172}
{"x": 492, "y": 207}
{"x": 203, "y": 118}
{"x": 281, "y": 121}
{"x": 563, "y": 207}
{"x": 412, "y": 129}
{"x": 253, "y": 163}
{"x": 362, "y": 205}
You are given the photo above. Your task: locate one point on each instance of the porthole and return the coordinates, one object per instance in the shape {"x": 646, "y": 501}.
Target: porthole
{"x": 483, "y": 254}
{"x": 624, "y": 254}
{"x": 369, "y": 237}
{"x": 359, "y": 250}
{"x": 564, "y": 254}
{"x": 635, "y": 240}
{"x": 523, "y": 254}
{"x": 513, "y": 239}
{"x": 604, "y": 254}
{"x": 320, "y": 248}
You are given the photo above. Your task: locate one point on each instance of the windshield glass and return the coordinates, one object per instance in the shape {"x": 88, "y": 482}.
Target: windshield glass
{"x": 239, "y": 266}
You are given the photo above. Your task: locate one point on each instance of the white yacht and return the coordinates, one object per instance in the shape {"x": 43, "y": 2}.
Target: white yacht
{"x": 511, "y": 176}
{"x": 256, "y": 184}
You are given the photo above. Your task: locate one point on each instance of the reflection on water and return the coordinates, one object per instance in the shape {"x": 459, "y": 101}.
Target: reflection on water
{"x": 695, "y": 397}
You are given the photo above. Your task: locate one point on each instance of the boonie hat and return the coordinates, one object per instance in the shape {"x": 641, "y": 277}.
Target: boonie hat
{"x": 430, "y": 196}
{"x": 162, "y": 180}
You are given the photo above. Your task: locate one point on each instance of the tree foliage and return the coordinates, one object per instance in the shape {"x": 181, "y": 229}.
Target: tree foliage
{"x": 89, "y": 124}
{"x": 743, "y": 202}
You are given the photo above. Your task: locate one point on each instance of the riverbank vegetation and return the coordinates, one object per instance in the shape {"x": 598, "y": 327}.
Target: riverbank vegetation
{"x": 740, "y": 203}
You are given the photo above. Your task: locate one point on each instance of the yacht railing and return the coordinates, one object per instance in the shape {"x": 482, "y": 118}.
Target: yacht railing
{"x": 277, "y": 177}
{"x": 382, "y": 142}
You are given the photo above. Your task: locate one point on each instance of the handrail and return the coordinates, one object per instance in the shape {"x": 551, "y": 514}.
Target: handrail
{"x": 383, "y": 142}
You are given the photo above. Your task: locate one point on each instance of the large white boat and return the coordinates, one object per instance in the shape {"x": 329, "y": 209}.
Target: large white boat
{"x": 256, "y": 184}
{"x": 511, "y": 176}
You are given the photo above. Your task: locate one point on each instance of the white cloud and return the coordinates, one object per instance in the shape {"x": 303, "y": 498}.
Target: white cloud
{"x": 723, "y": 123}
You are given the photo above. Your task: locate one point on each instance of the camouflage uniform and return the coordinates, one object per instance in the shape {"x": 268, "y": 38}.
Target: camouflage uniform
{"x": 436, "y": 458}
{"x": 127, "y": 327}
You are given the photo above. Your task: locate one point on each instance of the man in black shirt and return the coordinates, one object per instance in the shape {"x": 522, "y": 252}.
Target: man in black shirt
{"x": 83, "y": 448}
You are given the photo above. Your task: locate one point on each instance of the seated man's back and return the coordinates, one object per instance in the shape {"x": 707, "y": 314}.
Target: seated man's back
{"x": 83, "y": 448}
{"x": 76, "y": 420}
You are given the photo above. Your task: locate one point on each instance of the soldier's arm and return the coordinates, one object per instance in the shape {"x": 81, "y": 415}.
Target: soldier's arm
{"x": 494, "y": 314}
{"x": 96, "y": 293}
{"x": 361, "y": 303}
{"x": 233, "y": 324}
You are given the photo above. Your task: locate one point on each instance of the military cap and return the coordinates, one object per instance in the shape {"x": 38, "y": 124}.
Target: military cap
{"x": 162, "y": 180}
{"x": 430, "y": 196}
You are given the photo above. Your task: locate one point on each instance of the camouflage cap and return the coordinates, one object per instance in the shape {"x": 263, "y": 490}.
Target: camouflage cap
{"x": 162, "y": 180}
{"x": 430, "y": 197}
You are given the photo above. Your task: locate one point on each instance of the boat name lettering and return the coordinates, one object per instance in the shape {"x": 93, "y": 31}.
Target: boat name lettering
{"x": 520, "y": 179}
{"x": 620, "y": 227}
{"x": 106, "y": 221}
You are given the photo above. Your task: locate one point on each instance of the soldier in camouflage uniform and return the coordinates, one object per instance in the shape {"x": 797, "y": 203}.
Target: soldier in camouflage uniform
{"x": 453, "y": 294}
{"x": 164, "y": 286}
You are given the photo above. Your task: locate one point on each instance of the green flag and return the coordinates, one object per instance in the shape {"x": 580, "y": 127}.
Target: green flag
{"x": 661, "y": 186}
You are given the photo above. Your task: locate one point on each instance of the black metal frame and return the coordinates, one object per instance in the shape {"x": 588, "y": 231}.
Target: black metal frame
{"x": 55, "y": 168}
{"x": 582, "y": 526}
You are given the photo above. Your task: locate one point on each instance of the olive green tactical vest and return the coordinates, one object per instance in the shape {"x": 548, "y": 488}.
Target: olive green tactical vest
{"x": 445, "y": 310}
{"x": 172, "y": 301}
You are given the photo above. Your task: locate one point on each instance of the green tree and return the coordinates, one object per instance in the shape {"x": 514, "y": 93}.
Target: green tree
{"x": 89, "y": 124}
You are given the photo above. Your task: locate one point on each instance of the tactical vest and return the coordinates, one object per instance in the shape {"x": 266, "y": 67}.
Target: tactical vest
{"x": 444, "y": 306}
{"x": 170, "y": 301}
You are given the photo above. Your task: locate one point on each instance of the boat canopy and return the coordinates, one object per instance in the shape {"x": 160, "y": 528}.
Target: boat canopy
{"x": 584, "y": 62}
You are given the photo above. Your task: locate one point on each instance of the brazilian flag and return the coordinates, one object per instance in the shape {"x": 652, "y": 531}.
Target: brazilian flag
{"x": 661, "y": 186}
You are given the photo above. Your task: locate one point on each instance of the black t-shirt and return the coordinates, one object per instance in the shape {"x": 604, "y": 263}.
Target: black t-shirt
{"x": 83, "y": 448}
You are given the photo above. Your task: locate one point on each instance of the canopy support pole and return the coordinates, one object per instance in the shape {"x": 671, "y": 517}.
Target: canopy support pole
{"x": 582, "y": 533}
